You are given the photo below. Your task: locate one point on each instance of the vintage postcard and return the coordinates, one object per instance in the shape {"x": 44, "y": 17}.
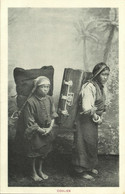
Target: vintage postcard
{"x": 62, "y": 97}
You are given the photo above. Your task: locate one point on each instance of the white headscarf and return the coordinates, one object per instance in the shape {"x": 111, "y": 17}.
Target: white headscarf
{"x": 40, "y": 81}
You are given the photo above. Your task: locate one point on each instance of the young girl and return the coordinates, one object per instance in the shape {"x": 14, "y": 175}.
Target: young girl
{"x": 39, "y": 114}
{"x": 89, "y": 115}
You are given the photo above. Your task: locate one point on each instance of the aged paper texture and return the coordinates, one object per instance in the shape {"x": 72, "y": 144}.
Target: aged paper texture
{"x": 7, "y": 35}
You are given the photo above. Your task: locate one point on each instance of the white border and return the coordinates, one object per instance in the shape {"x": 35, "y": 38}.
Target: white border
{"x": 5, "y": 4}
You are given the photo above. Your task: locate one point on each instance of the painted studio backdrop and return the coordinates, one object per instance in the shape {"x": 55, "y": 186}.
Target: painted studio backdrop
{"x": 67, "y": 38}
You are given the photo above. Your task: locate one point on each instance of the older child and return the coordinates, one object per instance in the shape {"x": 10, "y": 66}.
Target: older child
{"x": 39, "y": 114}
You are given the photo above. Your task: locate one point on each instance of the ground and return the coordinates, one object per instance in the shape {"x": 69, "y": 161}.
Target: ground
{"x": 58, "y": 167}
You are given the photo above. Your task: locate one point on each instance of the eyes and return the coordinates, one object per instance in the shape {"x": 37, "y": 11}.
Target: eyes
{"x": 105, "y": 73}
{"x": 44, "y": 87}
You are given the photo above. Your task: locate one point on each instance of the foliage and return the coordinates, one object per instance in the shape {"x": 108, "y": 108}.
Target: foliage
{"x": 108, "y": 140}
{"x": 113, "y": 82}
{"x": 84, "y": 34}
{"x": 110, "y": 25}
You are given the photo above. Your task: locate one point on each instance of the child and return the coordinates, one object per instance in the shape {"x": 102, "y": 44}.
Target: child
{"x": 39, "y": 114}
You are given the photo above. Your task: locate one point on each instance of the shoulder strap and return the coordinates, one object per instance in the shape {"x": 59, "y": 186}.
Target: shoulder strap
{"x": 17, "y": 113}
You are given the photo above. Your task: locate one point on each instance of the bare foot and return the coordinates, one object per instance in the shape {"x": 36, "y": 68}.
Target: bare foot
{"x": 78, "y": 169}
{"x": 88, "y": 177}
{"x": 44, "y": 176}
{"x": 94, "y": 171}
{"x": 35, "y": 177}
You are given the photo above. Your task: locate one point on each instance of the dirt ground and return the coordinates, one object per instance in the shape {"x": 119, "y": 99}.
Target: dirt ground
{"x": 58, "y": 167}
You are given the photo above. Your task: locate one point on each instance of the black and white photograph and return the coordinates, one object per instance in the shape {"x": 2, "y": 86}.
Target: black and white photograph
{"x": 62, "y": 98}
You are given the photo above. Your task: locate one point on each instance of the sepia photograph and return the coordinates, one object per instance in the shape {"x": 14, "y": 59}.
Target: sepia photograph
{"x": 63, "y": 91}
{"x": 61, "y": 121}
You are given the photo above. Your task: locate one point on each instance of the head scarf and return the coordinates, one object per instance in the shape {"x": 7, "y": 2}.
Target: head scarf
{"x": 40, "y": 81}
{"x": 99, "y": 68}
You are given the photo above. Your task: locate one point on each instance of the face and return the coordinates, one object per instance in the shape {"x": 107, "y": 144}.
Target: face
{"x": 43, "y": 90}
{"x": 103, "y": 76}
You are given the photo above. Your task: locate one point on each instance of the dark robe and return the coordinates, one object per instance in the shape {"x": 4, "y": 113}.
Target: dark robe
{"x": 37, "y": 113}
{"x": 85, "y": 148}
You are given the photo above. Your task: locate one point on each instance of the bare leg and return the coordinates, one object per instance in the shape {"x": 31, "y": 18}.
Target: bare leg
{"x": 79, "y": 169}
{"x": 34, "y": 175}
{"x": 84, "y": 171}
{"x": 40, "y": 172}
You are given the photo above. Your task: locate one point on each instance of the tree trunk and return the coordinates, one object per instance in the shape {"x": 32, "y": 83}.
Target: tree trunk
{"x": 108, "y": 44}
{"x": 84, "y": 54}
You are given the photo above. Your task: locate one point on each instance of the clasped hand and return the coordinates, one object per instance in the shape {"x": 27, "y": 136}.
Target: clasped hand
{"x": 97, "y": 118}
{"x": 45, "y": 131}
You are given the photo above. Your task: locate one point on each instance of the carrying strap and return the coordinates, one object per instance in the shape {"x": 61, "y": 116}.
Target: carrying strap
{"x": 98, "y": 72}
{"x": 17, "y": 113}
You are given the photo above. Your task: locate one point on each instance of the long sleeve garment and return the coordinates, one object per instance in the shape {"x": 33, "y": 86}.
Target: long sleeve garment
{"x": 93, "y": 96}
{"x": 88, "y": 94}
{"x": 38, "y": 113}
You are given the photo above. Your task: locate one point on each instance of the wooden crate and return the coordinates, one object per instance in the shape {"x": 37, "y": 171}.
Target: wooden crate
{"x": 68, "y": 101}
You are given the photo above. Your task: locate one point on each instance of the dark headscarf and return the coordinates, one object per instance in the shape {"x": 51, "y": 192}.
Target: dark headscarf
{"x": 99, "y": 68}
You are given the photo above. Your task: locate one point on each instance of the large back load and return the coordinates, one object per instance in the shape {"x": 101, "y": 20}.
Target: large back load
{"x": 24, "y": 81}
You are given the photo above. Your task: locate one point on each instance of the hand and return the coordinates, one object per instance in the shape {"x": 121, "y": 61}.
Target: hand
{"x": 41, "y": 130}
{"x": 93, "y": 110}
{"x": 97, "y": 119}
{"x": 95, "y": 116}
{"x": 100, "y": 121}
{"x": 47, "y": 130}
